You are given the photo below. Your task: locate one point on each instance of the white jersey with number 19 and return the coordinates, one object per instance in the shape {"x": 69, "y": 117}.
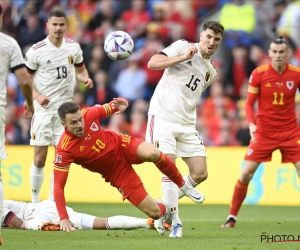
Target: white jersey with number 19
{"x": 179, "y": 90}
{"x": 54, "y": 72}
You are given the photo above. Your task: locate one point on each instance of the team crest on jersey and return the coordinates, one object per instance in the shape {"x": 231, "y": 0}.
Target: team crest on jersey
{"x": 94, "y": 127}
{"x": 250, "y": 151}
{"x": 58, "y": 158}
{"x": 290, "y": 84}
{"x": 71, "y": 59}
{"x": 207, "y": 76}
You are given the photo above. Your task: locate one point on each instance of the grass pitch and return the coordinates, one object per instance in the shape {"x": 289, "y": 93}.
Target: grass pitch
{"x": 201, "y": 224}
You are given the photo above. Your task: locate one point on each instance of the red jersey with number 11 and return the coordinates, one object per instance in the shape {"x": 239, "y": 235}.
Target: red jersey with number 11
{"x": 276, "y": 97}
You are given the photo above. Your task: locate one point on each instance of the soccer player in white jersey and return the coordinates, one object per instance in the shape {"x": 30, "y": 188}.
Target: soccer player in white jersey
{"x": 11, "y": 60}
{"x": 44, "y": 216}
{"x": 53, "y": 64}
{"x": 172, "y": 112}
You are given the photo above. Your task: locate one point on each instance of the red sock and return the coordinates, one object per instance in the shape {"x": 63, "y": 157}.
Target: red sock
{"x": 239, "y": 195}
{"x": 167, "y": 167}
{"x": 162, "y": 208}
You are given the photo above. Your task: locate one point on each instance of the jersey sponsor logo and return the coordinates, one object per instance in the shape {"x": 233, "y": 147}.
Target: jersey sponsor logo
{"x": 71, "y": 59}
{"x": 58, "y": 158}
{"x": 250, "y": 151}
{"x": 48, "y": 62}
{"x": 268, "y": 85}
{"x": 207, "y": 76}
{"x": 94, "y": 127}
{"x": 81, "y": 148}
{"x": 290, "y": 84}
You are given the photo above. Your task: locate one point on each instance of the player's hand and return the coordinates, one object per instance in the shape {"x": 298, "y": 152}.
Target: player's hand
{"x": 190, "y": 52}
{"x": 29, "y": 110}
{"x": 253, "y": 129}
{"x": 88, "y": 83}
{"x": 67, "y": 226}
{"x": 43, "y": 100}
{"x": 120, "y": 103}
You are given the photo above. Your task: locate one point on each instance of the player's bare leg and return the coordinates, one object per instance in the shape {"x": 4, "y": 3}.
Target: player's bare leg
{"x": 1, "y": 205}
{"x": 37, "y": 171}
{"x": 240, "y": 192}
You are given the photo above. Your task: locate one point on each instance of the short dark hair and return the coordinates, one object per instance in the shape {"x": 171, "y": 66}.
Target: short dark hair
{"x": 1, "y": 10}
{"x": 67, "y": 108}
{"x": 280, "y": 40}
{"x": 215, "y": 26}
{"x": 57, "y": 13}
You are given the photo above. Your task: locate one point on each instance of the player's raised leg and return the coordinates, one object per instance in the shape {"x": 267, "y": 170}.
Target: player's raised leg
{"x": 240, "y": 192}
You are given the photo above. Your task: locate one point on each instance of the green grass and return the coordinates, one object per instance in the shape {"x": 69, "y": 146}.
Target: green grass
{"x": 201, "y": 230}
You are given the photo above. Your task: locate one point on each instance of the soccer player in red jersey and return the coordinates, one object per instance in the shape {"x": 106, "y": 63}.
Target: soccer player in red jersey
{"x": 274, "y": 127}
{"x": 85, "y": 143}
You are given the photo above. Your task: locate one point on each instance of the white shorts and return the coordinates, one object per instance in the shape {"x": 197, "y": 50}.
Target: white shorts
{"x": 45, "y": 130}
{"x": 47, "y": 211}
{"x": 3, "y": 154}
{"x": 174, "y": 138}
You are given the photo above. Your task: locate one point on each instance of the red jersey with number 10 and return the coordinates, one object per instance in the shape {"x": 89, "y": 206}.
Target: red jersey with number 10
{"x": 98, "y": 150}
{"x": 276, "y": 97}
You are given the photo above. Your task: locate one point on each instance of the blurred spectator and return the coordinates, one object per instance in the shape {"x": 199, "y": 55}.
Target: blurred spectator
{"x": 107, "y": 13}
{"x": 131, "y": 82}
{"x": 238, "y": 19}
{"x": 239, "y": 69}
{"x": 152, "y": 46}
{"x": 184, "y": 14}
{"x": 138, "y": 119}
{"x": 136, "y": 19}
{"x": 257, "y": 55}
{"x": 289, "y": 22}
{"x": 31, "y": 33}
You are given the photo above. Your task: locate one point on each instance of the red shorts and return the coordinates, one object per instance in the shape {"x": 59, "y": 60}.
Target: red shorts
{"x": 125, "y": 179}
{"x": 288, "y": 142}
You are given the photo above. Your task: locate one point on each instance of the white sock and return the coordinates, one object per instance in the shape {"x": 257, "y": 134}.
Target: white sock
{"x": 36, "y": 181}
{"x": 188, "y": 180}
{"x": 170, "y": 193}
{"x": 125, "y": 222}
{"x": 1, "y": 199}
{"x": 51, "y": 193}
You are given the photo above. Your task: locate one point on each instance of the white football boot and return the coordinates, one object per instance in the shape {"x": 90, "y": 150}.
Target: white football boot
{"x": 192, "y": 193}
{"x": 176, "y": 231}
{"x": 159, "y": 223}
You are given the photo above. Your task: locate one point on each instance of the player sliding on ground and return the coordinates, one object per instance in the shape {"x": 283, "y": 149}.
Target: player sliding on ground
{"x": 44, "y": 216}
{"x": 85, "y": 143}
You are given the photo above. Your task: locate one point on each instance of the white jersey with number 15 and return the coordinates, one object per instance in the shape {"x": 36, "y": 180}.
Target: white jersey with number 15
{"x": 179, "y": 90}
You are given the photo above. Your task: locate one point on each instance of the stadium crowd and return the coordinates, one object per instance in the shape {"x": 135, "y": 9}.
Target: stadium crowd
{"x": 153, "y": 25}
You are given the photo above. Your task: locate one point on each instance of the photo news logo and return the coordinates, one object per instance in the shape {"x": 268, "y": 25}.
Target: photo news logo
{"x": 276, "y": 238}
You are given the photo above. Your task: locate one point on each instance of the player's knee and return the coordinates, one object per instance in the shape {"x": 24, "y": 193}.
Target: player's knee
{"x": 39, "y": 162}
{"x": 200, "y": 176}
{"x": 246, "y": 176}
{"x": 152, "y": 154}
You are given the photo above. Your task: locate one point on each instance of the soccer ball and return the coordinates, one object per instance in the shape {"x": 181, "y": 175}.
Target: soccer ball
{"x": 118, "y": 45}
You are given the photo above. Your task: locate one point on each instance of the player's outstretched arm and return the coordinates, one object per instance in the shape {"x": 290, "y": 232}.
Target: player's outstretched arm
{"x": 83, "y": 76}
{"x": 160, "y": 61}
